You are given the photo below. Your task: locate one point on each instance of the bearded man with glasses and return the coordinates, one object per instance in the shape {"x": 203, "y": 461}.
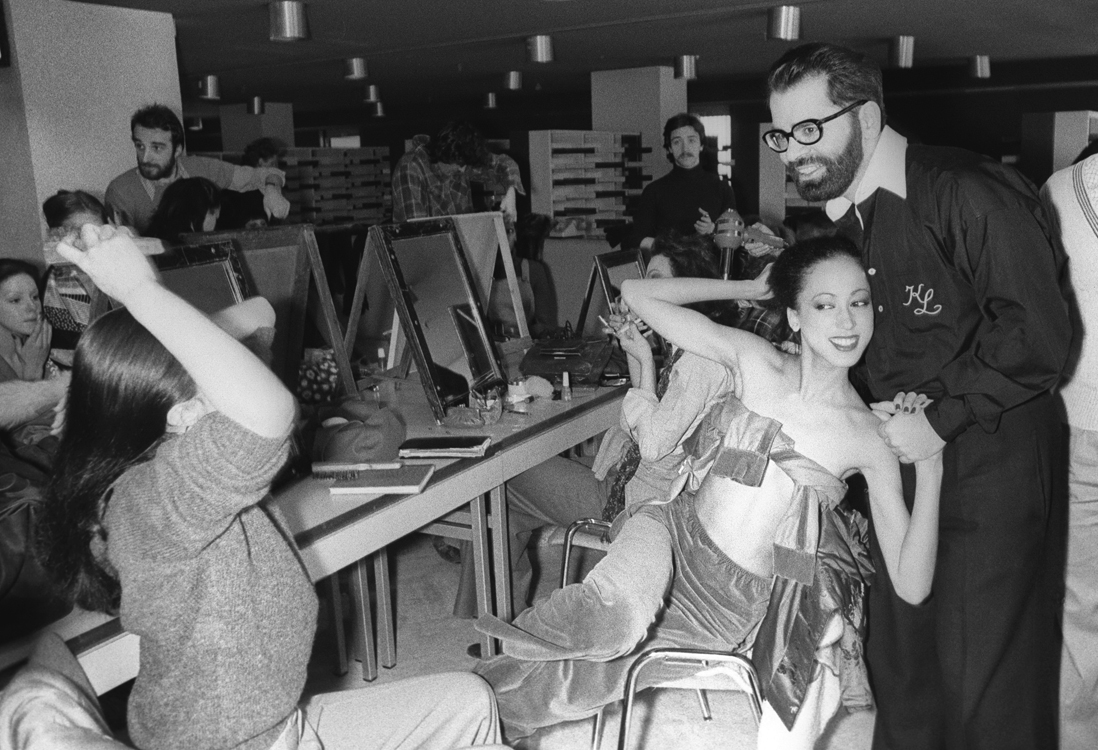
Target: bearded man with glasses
{"x": 969, "y": 310}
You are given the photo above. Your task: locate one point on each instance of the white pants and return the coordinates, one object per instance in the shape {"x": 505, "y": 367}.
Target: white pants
{"x": 1079, "y": 661}
{"x": 435, "y": 712}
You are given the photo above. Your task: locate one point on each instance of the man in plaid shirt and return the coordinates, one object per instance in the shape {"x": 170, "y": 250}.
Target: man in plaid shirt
{"x": 433, "y": 179}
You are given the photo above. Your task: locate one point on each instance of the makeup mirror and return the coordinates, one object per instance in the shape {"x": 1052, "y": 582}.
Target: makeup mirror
{"x": 439, "y": 307}
{"x": 604, "y": 286}
{"x": 208, "y": 276}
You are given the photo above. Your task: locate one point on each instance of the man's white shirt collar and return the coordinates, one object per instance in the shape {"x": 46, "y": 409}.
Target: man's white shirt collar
{"x": 886, "y": 170}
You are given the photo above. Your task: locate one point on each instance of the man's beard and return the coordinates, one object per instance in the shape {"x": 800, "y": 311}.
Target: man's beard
{"x": 156, "y": 172}
{"x": 838, "y": 172}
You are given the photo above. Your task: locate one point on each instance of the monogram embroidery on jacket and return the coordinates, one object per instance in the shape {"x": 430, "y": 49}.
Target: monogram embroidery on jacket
{"x": 923, "y": 298}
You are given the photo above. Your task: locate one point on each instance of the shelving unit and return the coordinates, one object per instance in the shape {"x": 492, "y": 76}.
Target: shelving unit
{"x": 334, "y": 185}
{"x": 585, "y": 180}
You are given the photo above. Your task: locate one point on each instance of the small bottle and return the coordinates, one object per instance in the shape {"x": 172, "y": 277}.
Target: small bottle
{"x": 565, "y": 387}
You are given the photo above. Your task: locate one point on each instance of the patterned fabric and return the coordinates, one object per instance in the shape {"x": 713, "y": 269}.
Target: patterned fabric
{"x": 422, "y": 189}
{"x": 629, "y": 463}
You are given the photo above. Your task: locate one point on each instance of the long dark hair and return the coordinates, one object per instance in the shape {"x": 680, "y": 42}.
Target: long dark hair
{"x": 183, "y": 208}
{"x": 123, "y": 383}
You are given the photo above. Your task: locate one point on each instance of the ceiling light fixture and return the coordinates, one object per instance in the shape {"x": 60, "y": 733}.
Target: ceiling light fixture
{"x": 373, "y": 94}
{"x": 209, "y": 88}
{"x": 255, "y": 106}
{"x": 901, "y": 51}
{"x": 194, "y": 124}
{"x": 980, "y": 66}
{"x": 490, "y": 100}
{"x": 783, "y": 23}
{"x": 288, "y": 21}
{"x": 356, "y": 69}
{"x": 379, "y": 109}
{"x": 686, "y": 67}
{"x": 512, "y": 80}
{"x": 540, "y": 48}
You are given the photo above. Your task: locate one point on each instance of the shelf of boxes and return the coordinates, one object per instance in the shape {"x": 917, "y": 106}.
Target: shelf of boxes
{"x": 335, "y": 185}
{"x": 585, "y": 180}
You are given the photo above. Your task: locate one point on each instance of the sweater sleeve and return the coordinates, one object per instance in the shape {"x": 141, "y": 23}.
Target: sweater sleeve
{"x": 200, "y": 481}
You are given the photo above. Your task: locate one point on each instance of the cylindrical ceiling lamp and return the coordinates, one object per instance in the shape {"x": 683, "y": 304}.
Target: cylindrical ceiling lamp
{"x": 288, "y": 21}
{"x": 980, "y": 66}
{"x": 686, "y": 67}
{"x": 490, "y": 100}
{"x": 373, "y": 94}
{"x": 378, "y": 109}
{"x": 512, "y": 81}
{"x": 194, "y": 124}
{"x": 540, "y": 48}
{"x": 901, "y": 51}
{"x": 356, "y": 69}
{"x": 784, "y": 23}
{"x": 255, "y": 105}
{"x": 209, "y": 87}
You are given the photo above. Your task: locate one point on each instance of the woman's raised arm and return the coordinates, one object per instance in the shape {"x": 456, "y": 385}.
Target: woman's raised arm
{"x": 231, "y": 378}
{"x": 659, "y": 302}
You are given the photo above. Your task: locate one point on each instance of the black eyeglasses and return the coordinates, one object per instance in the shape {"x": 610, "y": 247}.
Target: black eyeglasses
{"x": 805, "y": 132}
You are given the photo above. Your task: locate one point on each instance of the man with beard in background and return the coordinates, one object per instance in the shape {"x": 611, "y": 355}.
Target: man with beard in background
{"x": 158, "y": 142}
{"x": 966, "y": 289}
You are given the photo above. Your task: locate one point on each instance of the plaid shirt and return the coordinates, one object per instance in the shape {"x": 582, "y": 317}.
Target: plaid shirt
{"x": 422, "y": 189}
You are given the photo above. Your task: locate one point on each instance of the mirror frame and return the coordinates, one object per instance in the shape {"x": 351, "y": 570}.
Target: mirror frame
{"x": 223, "y": 253}
{"x": 382, "y": 238}
{"x": 600, "y": 272}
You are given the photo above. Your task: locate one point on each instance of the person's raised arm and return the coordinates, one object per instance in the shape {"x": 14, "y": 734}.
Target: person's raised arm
{"x": 659, "y": 302}
{"x": 909, "y": 543}
{"x": 230, "y": 377}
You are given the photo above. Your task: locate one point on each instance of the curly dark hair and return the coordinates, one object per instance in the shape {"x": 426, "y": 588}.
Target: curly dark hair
{"x": 159, "y": 117}
{"x": 851, "y": 76}
{"x": 788, "y": 274}
{"x": 458, "y": 142}
{"x": 261, "y": 149}
{"x": 695, "y": 256}
{"x": 64, "y": 204}
{"x": 681, "y": 120}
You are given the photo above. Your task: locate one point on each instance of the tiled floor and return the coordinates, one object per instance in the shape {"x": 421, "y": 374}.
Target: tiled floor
{"x": 430, "y": 639}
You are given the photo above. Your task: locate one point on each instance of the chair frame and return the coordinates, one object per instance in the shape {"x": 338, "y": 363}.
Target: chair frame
{"x": 740, "y": 668}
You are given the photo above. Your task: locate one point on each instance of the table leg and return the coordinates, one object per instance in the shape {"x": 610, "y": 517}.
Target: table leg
{"x": 386, "y": 623}
{"x": 336, "y": 604}
{"x": 480, "y": 568}
{"x": 363, "y": 628}
{"x": 501, "y": 552}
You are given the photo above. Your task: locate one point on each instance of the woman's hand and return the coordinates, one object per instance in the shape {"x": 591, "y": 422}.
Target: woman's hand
{"x": 762, "y": 284}
{"x": 112, "y": 260}
{"x": 630, "y": 337}
{"x": 902, "y": 403}
{"x": 34, "y": 352}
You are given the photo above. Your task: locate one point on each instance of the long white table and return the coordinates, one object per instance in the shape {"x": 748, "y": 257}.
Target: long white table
{"x": 333, "y": 533}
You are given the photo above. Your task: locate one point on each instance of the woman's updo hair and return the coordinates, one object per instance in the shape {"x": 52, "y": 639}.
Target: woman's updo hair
{"x": 64, "y": 204}
{"x": 787, "y": 276}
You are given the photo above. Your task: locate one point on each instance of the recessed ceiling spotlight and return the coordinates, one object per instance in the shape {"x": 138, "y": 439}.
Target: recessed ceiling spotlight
{"x": 901, "y": 51}
{"x": 540, "y": 48}
{"x": 194, "y": 124}
{"x": 783, "y": 22}
{"x": 378, "y": 109}
{"x": 255, "y": 106}
{"x": 490, "y": 100}
{"x": 512, "y": 80}
{"x": 980, "y": 66}
{"x": 373, "y": 94}
{"x": 686, "y": 67}
{"x": 288, "y": 21}
{"x": 209, "y": 88}
{"x": 356, "y": 69}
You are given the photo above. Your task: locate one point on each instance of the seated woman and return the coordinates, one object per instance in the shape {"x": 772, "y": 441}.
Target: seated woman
{"x": 638, "y": 460}
{"x": 539, "y": 299}
{"x": 188, "y": 205}
{"x": 174, "y": 433}
{"x": 34, "y": 387}
{"x": 756, "y": 558}
{"x": 67, "y": 300}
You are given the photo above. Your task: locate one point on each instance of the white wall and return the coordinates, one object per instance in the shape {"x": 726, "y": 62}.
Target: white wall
{"x": 638, "y": 100}
{"x": 81, "y": 71}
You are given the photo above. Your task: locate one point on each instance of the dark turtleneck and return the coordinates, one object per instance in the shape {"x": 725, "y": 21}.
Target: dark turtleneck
{"x": 672, "y": 202}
